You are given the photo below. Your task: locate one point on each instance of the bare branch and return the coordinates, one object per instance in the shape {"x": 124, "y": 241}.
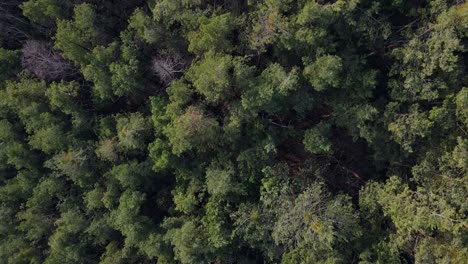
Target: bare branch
{"x": 167, "y": 67}
{"x": 44, "y": 62}
{"x": 12, "y": 23}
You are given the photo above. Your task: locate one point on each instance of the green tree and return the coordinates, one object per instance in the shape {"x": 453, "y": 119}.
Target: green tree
{"x": 213, "y": 34}
{"x": 324, "y": 72}
{"x": 77, "y": 37}
{"x": 193, "y": 130}
{"x": 211, "y": 77}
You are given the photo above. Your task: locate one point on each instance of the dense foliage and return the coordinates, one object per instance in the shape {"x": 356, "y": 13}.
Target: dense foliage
{"x": 194, "y": 131}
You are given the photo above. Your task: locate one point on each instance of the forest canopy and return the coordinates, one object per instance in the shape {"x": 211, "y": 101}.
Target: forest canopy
{"x": 221, "y": 131}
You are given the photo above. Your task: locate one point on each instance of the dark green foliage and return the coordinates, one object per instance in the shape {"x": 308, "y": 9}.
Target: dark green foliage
{"x": 10, "y": 64}
{"x": 193, "y": 131}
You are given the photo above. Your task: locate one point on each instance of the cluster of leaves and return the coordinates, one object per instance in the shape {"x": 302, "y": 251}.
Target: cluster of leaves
{"x": 194, "y": 131}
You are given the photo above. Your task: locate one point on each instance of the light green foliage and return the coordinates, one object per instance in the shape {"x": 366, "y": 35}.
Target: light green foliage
{"x": 324, "y": 72}
{"x": 34, "y": 219}
{"x": 65, "y": 243}
{"x": 185, "y": 12}
{"x": 123, "y": 77}
{"x": 254, "y": 226}
{"x": 459, "y": 157}
{"x": 215, "y": 222}
{"x": 311, "y": 227}
{"x": 211, "y": 77}
{"x": 432, "y": 250}
{"x": 18, "y": 188}
{"x": 113, "y": 255}
{"x": 407, "y": 128}
{"x": 20, "y": 96}
{"x": 108, "y": 149}
{"x": 6, "y": 131}
{"x": 462, "y": 105}
{"x": 356, "y": 118}
{"x": 44, "y": 12}
{"x": 132, "y": 175}
{"x": 266, "y": 92}
{"x": 161, "y": 153}
{"x": 180, "y": 94}
{"x": 63, "y": 96}
{"x": 18, "y": 155}
{"x": 127, "y": 219}
{"x": 316, "y": 139}
{"x": 126, "y": 71}
{"x": 193, "y": 130}
{"x": 422, "y": 211}
{"x": 222, "y": 182}
{"x": 314, "y": 20}
{"x": 316, "y": 223}
{"x": 160, "y": 150}
{"x": 132, "y": 131}
{"x": 98, "y": 72}
{"x": 77, "y": 37}
{"x": 106, "y": 126}
{"x": 144, "y": 25}
{"x": 72, "y": 164}
{"x": 115, "y": 69}
{"x": 45, "y": 130}
{"x": 213, "y": 34}
{"x": 422, "y": 58}
{"x": 93, "y": 199}
{"x": 49, "y": 139}
{"x": 268, "y": 24}
{"x": 187, "y": 199}
{"x": 187, "y": 239}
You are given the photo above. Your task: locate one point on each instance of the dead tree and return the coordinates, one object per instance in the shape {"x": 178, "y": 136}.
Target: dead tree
{"x": 13, "y": 25}
{"x": 167, "y": 67}
{"x": 44, "y": 62}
